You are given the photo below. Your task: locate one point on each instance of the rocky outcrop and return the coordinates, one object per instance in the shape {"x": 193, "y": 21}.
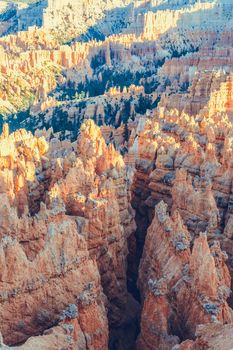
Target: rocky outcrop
{"x": 210, "y": 337}
{"x": 156, "y": 76}
{"x": 136, "y": 39}
{"x": 71, "y": 246}
{"x": 182, "y": 286}
{"x": 39, "y": 280}
{"x": 82, "y": 15}
{"x": 76, "y": 330}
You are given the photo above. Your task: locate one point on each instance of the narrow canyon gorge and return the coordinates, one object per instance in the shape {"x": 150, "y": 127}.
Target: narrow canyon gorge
{"x": 75, "y": 221}
{"x": 116, "y": 169}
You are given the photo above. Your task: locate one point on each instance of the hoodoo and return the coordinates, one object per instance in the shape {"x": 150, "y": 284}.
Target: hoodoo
{"x": 116, "y": 148}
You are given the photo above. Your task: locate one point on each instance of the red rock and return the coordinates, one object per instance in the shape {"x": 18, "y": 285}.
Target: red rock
{"x": 68, "y": 249}
{"x": 182, "y": 288}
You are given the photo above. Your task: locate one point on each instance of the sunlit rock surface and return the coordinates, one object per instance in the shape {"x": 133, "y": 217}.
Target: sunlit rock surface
{"x": 119, "y": 235}
{"x": 73, "y": 246}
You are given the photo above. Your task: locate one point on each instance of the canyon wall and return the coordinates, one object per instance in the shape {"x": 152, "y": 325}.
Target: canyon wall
{"x": 183, "y": 170}
{"x": 117, "y": 236}
{"x": 65, "y": 219}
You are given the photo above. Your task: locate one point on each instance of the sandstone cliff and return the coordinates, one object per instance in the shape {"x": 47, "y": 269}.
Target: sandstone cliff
{"x": 64, "y": 228}
{"x": 95, "y": 221}
{"x": 181, "y": 288}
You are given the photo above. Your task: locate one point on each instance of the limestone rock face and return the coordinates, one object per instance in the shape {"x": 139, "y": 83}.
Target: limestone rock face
{"x": 140, "y": 205}
{"x": 81, "y": 14}
{"x": 60, "y": 273}
{"x": 63, "y": 244}
{"x": 184, "y": 162}
{"x": 69, "y": 333}
{"x": 98, "y": 179}
{"x": 210, "y": 337}
{"x": 181, "y": 288}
